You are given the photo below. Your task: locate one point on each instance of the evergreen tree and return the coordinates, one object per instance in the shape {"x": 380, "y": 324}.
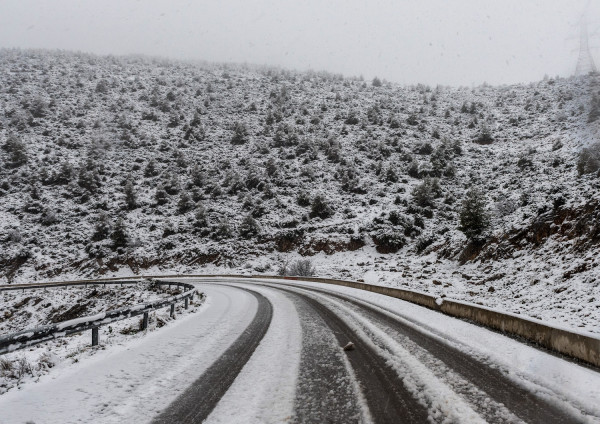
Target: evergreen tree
{"x": 201, "y": 220}
{"x": 102, "y": 227}
{"x": 198, "y": 177}
{"x": 185, "y": 203}
{"x": 474, "y": 219}
{"x": 88, "y": 178}
{"x": 119, "y": 235}
{"x": 151, "y": 170}
{"x": 130, "y": 196}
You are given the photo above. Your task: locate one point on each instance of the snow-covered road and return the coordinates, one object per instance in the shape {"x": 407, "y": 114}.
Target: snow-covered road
{"x": 131, "y": 383}
{"x": 262, "y": 351}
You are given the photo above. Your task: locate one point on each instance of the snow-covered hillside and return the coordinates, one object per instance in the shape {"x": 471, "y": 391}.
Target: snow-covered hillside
{"x": 116, "y": 165}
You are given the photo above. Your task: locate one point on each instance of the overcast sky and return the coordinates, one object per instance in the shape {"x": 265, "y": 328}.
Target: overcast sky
{"x": 455, "y": 42}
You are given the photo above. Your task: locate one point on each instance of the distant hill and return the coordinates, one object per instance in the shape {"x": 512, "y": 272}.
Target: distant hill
{"x": 116, "y": 163}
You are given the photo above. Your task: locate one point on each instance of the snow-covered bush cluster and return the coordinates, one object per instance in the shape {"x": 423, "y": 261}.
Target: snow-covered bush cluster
{"x": 147, "y": 164}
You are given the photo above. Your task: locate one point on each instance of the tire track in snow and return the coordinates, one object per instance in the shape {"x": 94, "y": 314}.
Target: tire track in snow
{"x": 387, "y": 397}
{"x": 196, "y": 403}
{"x": 326, "y": 390}
{"x": 503, "y": 391}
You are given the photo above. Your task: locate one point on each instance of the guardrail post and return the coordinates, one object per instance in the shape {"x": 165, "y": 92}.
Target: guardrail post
{"x": 172, "y": 310}
{"x": 187, "y": 301}
{"x": 145, "y": 321}
{"x": 95, "y": 336}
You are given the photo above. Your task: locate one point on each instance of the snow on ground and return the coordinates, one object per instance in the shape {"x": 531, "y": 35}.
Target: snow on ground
{"x": 518, "y": 285}
{"x": 131, "y": 382}
{"x": 32, "y": 308}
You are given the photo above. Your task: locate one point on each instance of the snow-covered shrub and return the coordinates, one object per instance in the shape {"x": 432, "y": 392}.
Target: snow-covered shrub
{"x": 14, "y": 236}
{"x": 169, "y": 229}
{"x": 320, "y": 208}
{"x": 424, "y": 242}
{"x": 223, "y": 230}
{"x": 558, "y": 201}
{"x": 87, "y": 179}
{"x": 254, "y": 179}
{"x": 390, "y": 175}
{"x": 102, "y": 86}
{"x": 21, "y": 368}
{"x": 425, "y": 193}
{"x": 525, "y": 162}
{"x": 64, "y": 175}
{"x": 197, "y": 176}
{"x": 352, "y": 118}
{"x": 249, "y": 227}
{"x": 424, "y": 149}
{"x": 49, "y": 218}
{"x": 151, "y": 169}
{"x": 388, "y": 240}
{"x": 413, "y": 169}
{"x": 594, "y": 109}
{"x": 240, "y": 133}
{"x": 102, "y": 227}
{"x": 171, "y": 181}
{"x": 200, "y": 218}
{"x": 398, "y": 218}
{"x": 506, "y": 206}
{"x": 412, "y": 119}
{"x": 160, "y": 195}
{"x": 485, "y": 135}
{"x": 17, "y": 151}
{"x": 38, "y": 107}
{"x": 300, "y": 268}
{"x": 589, "y": 159}
{"x": 557, "y": 145}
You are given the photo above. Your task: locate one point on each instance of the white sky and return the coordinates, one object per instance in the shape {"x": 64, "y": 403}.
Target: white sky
{"x": 455, "y": 42}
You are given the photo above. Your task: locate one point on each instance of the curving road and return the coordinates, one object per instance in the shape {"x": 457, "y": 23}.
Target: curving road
{"x": 267, "y": 352}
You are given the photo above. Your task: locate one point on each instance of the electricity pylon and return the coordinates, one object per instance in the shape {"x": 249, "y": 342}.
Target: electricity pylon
{"x": 585, "y": 61}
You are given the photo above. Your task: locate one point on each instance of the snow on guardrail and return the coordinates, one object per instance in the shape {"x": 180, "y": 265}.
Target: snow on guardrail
{"x": 30, "y": 337}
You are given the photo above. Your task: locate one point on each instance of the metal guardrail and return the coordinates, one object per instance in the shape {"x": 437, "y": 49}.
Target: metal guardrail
{"x": 30, "y": 337}
{"x": 565, "y": 341}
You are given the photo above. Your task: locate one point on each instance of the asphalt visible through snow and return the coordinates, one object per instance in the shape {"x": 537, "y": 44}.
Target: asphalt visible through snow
{"x": 387, "y": 396}
{"x": 198, "y": 401}
{"x": 367, "y": 384}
